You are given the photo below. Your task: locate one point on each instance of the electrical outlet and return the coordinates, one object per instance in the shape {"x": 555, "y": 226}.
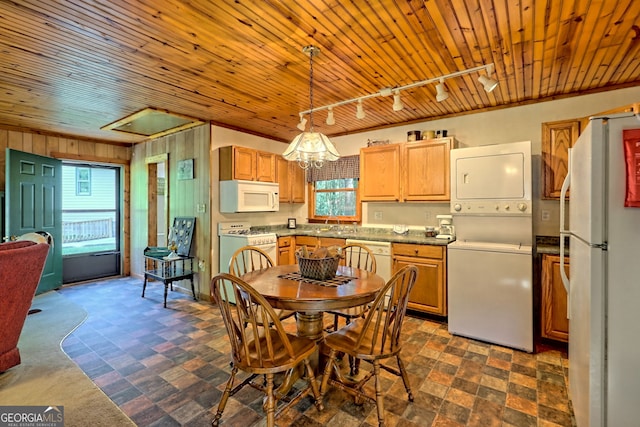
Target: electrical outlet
{"x": 427, "y": 216}
{"x": 546, "y": 215}
{"x": 201, "y": 264}
{"x": 377, "y": 215}
{"x": 201, "y": 208}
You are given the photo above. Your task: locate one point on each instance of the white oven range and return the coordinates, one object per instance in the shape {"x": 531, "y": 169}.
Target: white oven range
{"x": 234, "y": 235}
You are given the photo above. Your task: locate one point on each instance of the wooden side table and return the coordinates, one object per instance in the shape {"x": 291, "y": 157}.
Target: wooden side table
{"x": 168, "y": 271}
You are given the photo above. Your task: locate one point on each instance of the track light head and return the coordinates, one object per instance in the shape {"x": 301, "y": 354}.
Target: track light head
{"x": 488, "y": 83}
{"x": 303, "y": 123}
{"x": 397, "y": 102}
{"x": 360, "y": 110}
{"x": 441, "y": 91}
{"x": 330, "y": 119}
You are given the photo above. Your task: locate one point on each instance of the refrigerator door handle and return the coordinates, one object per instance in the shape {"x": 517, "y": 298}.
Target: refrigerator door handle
{"x": 564, "y": 232}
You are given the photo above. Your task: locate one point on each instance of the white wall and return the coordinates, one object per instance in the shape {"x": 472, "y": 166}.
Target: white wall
{"x": 522, "y": 123}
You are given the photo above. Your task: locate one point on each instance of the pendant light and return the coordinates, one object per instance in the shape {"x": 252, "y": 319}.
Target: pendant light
{"x": 311, "y": 149}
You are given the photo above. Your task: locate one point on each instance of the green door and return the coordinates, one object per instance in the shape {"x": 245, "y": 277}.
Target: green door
{"x": 34, "y": 203}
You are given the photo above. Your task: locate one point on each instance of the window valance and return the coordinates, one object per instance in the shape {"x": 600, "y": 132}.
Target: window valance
{"x": 343, "y": 168}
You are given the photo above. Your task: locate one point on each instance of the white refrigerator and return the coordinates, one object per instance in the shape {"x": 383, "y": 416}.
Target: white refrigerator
{"x": 604, "y": 284}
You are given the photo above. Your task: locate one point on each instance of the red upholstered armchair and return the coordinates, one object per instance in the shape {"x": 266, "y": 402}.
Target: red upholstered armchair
{"x": 21, "y": 265}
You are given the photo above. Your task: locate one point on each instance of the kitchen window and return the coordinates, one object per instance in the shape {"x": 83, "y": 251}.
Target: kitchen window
{"x": 334, "y": 191}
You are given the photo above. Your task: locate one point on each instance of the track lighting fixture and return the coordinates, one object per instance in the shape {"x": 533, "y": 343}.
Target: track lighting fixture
{"x": 397, "y": 102}
{"x": 310, "y": 149}
{"x": 487, "y": 82}
{"x": 360, "y": 110}
{"x": 441, "y": 91}
{"x": 330, "y": 119}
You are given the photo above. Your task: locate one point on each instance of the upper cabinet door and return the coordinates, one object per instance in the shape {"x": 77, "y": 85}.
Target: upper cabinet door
{"x": 265, "y": 167}
{"x": 380, "y": 173}
{"x": 282, "y": 169}
{"x": 247, "y": 164}
{"x": 557, "y": 138}
{"x": 291, "y": 178}
{"x": 244, "y": 163}
{"x": 298, "y": 183}
{"x": 426, "y": 170}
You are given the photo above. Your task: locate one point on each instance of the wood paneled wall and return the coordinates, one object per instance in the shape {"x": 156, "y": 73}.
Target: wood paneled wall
{"x": 66, "y": 148}
{"x": 184, "y": 196}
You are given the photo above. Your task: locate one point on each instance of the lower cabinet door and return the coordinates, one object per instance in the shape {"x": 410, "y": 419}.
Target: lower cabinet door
{"x": 429, "y": 293}
{"x": 553, "y": 310}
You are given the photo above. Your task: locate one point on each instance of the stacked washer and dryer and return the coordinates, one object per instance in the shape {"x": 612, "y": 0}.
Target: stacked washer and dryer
{"x": 490, "y": 291}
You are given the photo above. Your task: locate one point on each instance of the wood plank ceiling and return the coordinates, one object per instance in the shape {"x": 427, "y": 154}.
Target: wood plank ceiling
{"x": 74, "y": 66}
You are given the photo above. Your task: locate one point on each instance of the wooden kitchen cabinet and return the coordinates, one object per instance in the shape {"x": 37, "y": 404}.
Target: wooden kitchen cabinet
{"x": 415, "y": 171}
{"x": 247, "y": 164}
{"x": 557, "y": 138}
{"x": 332, "y": 241}
{"x": 380, "y": 173}
{"x": 312, "y": 241}
{"x": 292, "y": 181}
{"x": 308, "y": 241}
{"x": 286, "y": 246}
{"x": 426, "y": 168}
{"x": 553, "y": 307}
{"x": 429, "y": 293}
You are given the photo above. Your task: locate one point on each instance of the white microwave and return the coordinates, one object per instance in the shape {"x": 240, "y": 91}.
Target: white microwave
{"x": 249, "y": 196}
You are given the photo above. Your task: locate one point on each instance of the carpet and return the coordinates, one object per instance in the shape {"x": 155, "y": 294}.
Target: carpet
{"x": 47, "y": 377}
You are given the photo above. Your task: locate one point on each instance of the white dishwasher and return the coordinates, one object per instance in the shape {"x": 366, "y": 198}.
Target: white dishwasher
{"x": 382, "y": 253}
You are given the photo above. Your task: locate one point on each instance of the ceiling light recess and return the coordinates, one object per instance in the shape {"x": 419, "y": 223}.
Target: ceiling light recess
{"x": 153, "y": 123}
{"x": 441, "y": 92}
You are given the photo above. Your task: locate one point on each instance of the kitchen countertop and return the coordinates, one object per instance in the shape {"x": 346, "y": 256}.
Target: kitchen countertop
{"x": 362, "y": 233}
{"x": 550, "y": 245}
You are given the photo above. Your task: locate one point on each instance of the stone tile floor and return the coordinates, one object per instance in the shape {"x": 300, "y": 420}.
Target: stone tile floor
{"x": 168, "y": 367}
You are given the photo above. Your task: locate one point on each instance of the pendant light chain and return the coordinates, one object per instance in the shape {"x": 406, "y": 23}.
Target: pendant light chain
{"x": 312, "y": 52}
{"x": 310, "y": 149}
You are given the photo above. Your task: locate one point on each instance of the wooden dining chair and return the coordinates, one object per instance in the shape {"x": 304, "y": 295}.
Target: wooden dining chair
{"x": 250, "y": 258}
{"x": 354, "y": 255}
{"x": 373, "y": 339}
{"x": 260, "y": 347}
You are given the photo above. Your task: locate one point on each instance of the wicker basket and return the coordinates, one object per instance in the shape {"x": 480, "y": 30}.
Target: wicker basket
{"x": 318, "y": 268}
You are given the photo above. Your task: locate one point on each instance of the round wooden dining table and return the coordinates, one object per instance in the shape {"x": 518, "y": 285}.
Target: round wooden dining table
{"x": 285, "y": 288}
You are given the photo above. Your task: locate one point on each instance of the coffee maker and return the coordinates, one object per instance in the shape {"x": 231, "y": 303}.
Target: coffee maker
{"x": 445, "y": 227}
